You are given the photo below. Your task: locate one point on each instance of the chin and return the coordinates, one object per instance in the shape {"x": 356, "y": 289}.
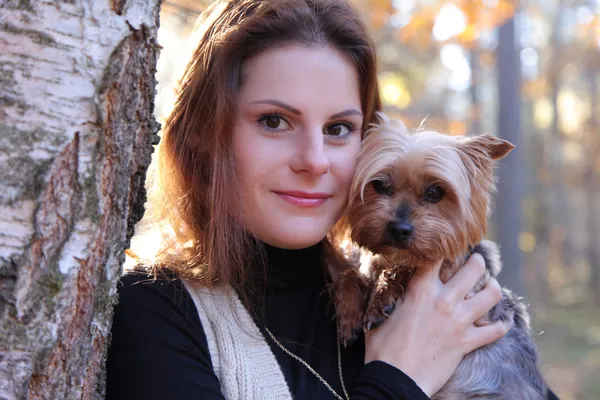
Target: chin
{"x": 296, "y": 240}
{"x": 294, "y": 235}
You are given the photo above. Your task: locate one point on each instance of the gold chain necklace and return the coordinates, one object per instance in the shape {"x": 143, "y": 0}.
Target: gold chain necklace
{"x": 339, "y": 359}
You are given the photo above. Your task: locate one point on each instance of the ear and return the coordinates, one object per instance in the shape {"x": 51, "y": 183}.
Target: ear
{"x": 478, "y": 154}
{"x": 493, "y": 146}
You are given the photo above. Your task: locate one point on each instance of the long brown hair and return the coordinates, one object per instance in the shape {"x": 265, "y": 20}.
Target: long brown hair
{"x": 194, "y": 173}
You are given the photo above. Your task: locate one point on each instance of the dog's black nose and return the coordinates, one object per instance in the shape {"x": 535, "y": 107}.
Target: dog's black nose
{"x": 400, "y": 231}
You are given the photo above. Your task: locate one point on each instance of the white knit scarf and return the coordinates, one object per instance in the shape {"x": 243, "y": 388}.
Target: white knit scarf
{"x": 241, "y": 358}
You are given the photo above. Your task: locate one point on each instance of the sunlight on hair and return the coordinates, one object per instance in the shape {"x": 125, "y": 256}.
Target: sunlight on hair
{"x": 144, "y": 244}
{"x": 348, "y": 249}
{"x": 178, "y": 46}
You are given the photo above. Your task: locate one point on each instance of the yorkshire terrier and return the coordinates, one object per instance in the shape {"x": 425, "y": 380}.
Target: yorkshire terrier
{"x": 418, "y": 198}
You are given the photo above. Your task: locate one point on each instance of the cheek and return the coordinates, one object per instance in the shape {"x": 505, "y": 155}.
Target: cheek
{"x": 343, "y": 165}
{"x": 252, "y": 156}
{"x": 248, "y": 157}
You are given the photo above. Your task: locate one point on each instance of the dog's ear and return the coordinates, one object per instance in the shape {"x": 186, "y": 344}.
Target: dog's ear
{"x": 493, "y": 146}
{"x": 478, "y": 154}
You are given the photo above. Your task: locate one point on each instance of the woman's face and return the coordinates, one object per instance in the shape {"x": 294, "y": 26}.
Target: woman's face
{"x": 296, "y": 138}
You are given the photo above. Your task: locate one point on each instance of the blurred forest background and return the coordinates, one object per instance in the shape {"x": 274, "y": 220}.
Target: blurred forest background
{"x": 528, "y": 72}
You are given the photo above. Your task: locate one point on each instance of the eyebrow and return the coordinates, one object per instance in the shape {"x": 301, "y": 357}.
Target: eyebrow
{"x": 293, "y": 110}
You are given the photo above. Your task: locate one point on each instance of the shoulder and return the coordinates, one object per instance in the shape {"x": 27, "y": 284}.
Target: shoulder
{"x": 159, "y": 299}
{"x": 156, "y": 328}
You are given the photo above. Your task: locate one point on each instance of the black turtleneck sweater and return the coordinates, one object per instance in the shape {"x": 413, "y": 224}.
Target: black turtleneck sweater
{"x": 159, "y": 350}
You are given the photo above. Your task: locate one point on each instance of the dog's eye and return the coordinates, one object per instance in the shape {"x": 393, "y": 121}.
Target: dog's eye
{"x": 434, "y": 193}
{"x": 383, "y": 187}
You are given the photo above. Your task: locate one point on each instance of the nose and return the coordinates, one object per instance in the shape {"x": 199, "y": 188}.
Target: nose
{"x": 311, "y": 156}
{"x": 400, "y": 231}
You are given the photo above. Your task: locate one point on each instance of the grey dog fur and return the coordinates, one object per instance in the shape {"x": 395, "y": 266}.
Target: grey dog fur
{"x": 507, "y": 368}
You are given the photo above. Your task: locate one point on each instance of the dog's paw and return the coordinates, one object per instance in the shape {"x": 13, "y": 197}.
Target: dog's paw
{"x": 380, "y": 308}
{"x": 349, "y": 328}
{"x": 350, "y": 300}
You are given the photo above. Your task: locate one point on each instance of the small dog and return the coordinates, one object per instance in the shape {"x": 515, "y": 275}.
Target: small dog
{"x": 422, "y": 197}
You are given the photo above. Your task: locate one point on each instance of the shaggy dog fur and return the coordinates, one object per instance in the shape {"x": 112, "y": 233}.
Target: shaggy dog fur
{"x": 418, "y": 198}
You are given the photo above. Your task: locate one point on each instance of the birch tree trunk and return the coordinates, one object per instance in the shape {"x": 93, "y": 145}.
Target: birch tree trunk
{"x": 76, "y": 126}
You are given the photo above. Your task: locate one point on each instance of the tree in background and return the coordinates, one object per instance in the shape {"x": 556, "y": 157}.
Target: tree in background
{"x": 446, "y": 60}
{"x": 76, "y": 126}
{"x": 507, "y": 213}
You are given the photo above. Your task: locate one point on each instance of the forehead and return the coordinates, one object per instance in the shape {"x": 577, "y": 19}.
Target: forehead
{"x": 429, "y": 157}
{"x": 303, "y": 76}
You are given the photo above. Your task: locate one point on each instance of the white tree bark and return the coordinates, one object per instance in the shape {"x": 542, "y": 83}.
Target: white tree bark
{"x": 76, "y": 99}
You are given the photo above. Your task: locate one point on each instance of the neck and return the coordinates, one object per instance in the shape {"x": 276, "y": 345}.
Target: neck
{"x": 291, "y": 267}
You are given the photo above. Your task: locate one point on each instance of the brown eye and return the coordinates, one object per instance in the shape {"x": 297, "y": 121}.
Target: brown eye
{"x": 434, "y": 193}
{"x": 338, "y": 130}
{"x": 273, "y": 122}
{"x": 383, "y": 187}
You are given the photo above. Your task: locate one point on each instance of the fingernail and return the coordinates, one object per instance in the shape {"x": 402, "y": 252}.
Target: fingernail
{"x": 374, "y": 324}
{"x": 478, "y": 255}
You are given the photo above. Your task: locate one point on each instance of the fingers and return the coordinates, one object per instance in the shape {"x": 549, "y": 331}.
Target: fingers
{"x": 467, "y": 276}
{"x": 483, "y": 301}
{"x": 484, "y": 335}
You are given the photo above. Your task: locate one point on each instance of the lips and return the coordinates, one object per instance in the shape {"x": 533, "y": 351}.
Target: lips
{"x": 304, "y": 199}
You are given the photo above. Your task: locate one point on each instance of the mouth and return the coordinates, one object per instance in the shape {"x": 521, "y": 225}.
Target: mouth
{"x": 402, "y": 246}
{"x": 387, "y": 242}
{"x": 303, "y": 199}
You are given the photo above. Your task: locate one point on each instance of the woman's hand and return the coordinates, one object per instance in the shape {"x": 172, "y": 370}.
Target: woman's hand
{"x": 432, "y": 329}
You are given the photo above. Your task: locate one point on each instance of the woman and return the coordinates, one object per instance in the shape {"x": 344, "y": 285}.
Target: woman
{"x": 253, "y": 173}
